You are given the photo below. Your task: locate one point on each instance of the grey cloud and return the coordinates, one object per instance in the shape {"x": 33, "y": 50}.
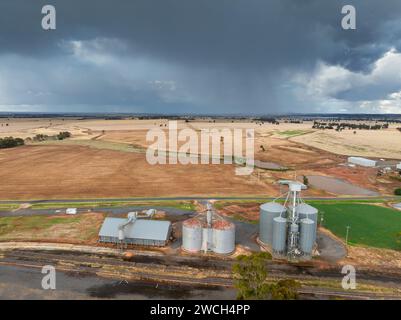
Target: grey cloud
{"x": 225, "y": 55}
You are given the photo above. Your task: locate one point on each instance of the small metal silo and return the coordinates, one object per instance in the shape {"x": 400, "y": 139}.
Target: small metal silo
{"x": 279, "y": 235}
{"x": 223, "y": 237}
{"x": 307, "y": 236}
{"x": 306, "y": 211}
{"x": 268, "y": 212}
{"x": 192, "y": 235}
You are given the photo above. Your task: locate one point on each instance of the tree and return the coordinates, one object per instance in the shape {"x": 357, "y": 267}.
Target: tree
{"x": 285, "y": 290}
{"x": 397, "y": 192}
{"x": 250, "y": 279}
{"x": 63, "y": 135}
{"x": 250, "y": 275}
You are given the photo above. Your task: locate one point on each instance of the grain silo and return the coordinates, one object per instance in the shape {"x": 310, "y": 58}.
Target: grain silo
{"x": 307, "y": 236}
{"x": 268, "y": 211}
{"x": 279, "y": 235}
{"x": 307, "y": 211}
{"x": 223, "y": 237}
{"x": 192, "y": 235}
{"x": 290, "y": 229}
{"x": 208, "y": 232}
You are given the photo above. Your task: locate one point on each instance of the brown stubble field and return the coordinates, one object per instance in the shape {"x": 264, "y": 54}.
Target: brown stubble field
{"x": 57, "y": 171}
{"x": 85, "y": 166}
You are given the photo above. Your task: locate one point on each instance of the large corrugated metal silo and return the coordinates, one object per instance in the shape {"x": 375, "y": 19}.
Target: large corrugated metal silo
{"x": 268, "y": 211}
{"x": 279, "y": 235}
{"x": 307, "y": 211}
{"x": 192, "y": 235}
{"x": 307, "y": 236}
{"x": 223, "y": 237}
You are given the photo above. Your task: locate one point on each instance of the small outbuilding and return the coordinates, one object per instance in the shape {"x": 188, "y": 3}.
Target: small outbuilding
{"x": 362, "y": 162}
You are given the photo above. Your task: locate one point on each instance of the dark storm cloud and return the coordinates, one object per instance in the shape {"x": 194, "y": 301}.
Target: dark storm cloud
{"x": 229, "y": 55}
{"x": 244, "y": 32}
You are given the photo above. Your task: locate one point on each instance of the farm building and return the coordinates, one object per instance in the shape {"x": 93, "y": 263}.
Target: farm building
{"x": 135, "y": 231}
{"x": 362, "y": 162}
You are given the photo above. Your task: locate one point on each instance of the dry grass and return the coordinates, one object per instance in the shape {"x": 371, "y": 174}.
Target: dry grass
{"x": 81, "y": 228}
{"x": 373, "y": 257}
{"x": 368, "y": 143}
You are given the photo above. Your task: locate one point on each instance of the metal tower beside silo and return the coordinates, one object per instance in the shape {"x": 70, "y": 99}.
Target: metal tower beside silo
{"x": 289, "y": 229}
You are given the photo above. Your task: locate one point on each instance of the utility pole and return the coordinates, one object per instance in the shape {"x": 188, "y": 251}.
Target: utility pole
{"x": 322, "y": 219}
{"x": 346, "y": 236}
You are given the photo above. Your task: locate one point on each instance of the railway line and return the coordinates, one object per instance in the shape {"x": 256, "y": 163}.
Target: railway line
{"x": 181, "y": 272}
{"x": 100, "y": 200}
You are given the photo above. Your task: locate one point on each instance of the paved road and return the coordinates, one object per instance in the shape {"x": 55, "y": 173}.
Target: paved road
{"x": 109, "y": 210}
{"x": 190, "y": 198}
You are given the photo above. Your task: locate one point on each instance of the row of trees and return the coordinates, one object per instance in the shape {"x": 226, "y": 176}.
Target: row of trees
{"x": 10, "y": 142}
{"x": 43, "y": 137}
{"x": 349, "y": 126}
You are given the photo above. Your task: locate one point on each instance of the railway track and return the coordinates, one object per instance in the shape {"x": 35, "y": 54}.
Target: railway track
{"x": 100, "y": 266}
{"x": 276, "y": 269}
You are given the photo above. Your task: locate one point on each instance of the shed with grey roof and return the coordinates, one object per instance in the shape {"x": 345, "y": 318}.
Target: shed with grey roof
{"x": 138, "y": 232}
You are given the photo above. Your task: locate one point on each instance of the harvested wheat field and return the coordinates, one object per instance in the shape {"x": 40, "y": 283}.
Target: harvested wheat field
{"x": 66, "y": 171}
{"x": 368, "y": 143}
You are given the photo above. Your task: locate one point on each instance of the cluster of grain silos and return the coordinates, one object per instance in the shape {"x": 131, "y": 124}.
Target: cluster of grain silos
{"x": 289, "y": 229}
{"x": 210, "y": 233}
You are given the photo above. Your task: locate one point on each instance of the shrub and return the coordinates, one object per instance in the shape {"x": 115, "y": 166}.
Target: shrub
{"x": 63, "y": 135}
{"x": 10, "y": 142}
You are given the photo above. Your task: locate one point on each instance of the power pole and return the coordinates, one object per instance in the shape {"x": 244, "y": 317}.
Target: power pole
{"x": 346, "y": 236}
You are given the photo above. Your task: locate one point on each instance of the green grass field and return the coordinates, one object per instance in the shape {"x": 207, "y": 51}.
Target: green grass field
{"x": 371, "y": 225}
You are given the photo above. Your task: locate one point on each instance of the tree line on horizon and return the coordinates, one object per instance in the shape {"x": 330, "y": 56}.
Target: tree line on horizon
{"x": 11, "y": 142}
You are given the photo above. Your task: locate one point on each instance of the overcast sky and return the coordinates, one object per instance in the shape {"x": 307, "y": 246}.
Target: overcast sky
{"x": 201, "y": 56}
